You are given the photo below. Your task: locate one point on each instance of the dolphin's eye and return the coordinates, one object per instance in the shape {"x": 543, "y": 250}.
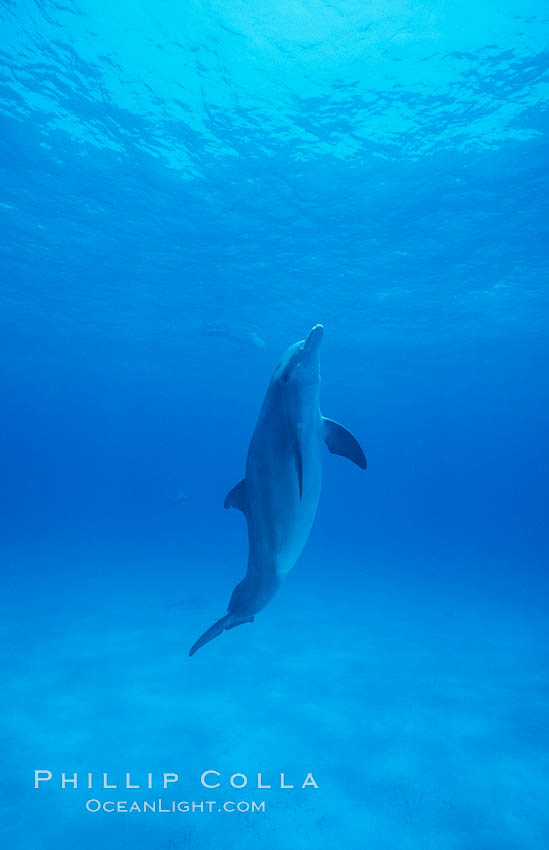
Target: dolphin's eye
{"x": 285, "y": 377}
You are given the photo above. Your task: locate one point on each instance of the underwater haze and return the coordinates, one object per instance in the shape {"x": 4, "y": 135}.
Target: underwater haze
{"x": 185, "y": 190}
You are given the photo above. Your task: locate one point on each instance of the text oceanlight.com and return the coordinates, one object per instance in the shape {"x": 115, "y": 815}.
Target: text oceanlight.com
{"x": 174, "y": 806}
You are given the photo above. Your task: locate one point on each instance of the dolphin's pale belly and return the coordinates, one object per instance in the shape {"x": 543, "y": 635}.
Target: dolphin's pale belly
{"x": 279, "y": 517}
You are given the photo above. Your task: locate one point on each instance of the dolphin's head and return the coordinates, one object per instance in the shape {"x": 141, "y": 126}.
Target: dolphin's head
{"x": 300, "y": 364}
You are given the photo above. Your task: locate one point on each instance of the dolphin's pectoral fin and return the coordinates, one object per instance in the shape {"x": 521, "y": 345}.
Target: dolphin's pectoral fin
{"x": 341, "y": 442}
{"x": 236, "y": 498}
{"x": 298, "y": 459}
{"x": 226, "y": 622}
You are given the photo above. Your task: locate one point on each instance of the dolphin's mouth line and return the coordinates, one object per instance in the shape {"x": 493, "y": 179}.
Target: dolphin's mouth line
{"x": 314, "y": 338}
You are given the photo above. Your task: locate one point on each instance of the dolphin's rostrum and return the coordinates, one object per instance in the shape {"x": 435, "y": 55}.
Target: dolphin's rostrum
{"x": 279, "y": 495}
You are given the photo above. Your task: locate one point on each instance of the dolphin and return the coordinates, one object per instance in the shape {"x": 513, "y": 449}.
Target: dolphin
{"x": 279, "y": 495}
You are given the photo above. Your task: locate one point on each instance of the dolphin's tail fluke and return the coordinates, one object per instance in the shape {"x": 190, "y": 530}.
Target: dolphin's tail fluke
{"x": 229, "y": 621}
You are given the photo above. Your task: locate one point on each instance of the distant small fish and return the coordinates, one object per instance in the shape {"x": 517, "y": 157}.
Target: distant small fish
{"x": 241, "y": 336}
{"x": 182, "y": 496}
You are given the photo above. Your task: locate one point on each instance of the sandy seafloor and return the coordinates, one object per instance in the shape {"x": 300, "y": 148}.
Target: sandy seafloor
{"x": 420, "y": 707}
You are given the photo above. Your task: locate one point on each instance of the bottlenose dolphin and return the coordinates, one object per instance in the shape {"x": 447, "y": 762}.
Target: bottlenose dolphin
{"x": 279, "y": 495}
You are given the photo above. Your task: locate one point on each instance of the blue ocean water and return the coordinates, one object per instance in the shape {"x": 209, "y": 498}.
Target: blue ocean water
{"x": 185, "y": 189}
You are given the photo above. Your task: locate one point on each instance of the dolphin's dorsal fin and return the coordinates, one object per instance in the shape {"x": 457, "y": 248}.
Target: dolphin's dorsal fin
{"x": 341, "y": 442}
{"x": 298, "y": 458}
{"x": 236, "y": 498}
